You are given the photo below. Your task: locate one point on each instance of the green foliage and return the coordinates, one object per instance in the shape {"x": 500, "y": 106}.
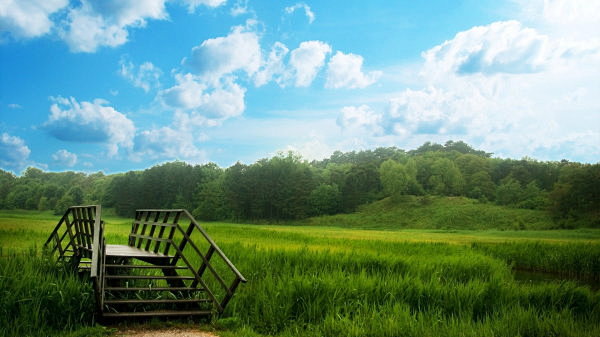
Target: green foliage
{"x": 315, "y": 281}
{"x": 437, "y": 213}
{"x": 285, "y": 187}
{"x": 40, "y": 299}
{"x": 445, "y": 178}
{"x": 325, "y": 200}
{"x": 577, "y": 194}
{"x": 394, "y": 179}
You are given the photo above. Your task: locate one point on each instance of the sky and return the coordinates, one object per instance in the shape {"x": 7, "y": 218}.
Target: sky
{"x": 119, "y": 85}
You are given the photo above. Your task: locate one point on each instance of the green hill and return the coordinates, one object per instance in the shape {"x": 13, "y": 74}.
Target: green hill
{"x": 431, "y": 212}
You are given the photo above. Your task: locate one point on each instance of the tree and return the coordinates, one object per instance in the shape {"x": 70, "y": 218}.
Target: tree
{"x": 446, "y": 178}
{"x": 211, "y": 201}
{"x": 476, "y": 172}
{"x": 509, "y": 192}
{"x": 394, "y": 179}
{"x": 325, "y": 199}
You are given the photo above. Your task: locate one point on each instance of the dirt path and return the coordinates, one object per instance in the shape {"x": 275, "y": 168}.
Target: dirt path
{"x": 168, "y": 332}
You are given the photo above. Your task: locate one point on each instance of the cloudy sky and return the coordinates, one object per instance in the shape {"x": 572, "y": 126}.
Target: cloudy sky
{"x": 116, "y": 85}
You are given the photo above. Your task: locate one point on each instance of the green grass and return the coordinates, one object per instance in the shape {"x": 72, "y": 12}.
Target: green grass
{"x": 430, "y": 212}
{"x": 340, "y": 281}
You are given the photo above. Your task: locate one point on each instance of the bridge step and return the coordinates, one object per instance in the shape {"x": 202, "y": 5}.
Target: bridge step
{"x": 161, "y": 301}
{"x": 145, "y": 266}
{"x": 159, "y": 313}
{"x": 152, "y": 289}
{"x": 148, "y": 277}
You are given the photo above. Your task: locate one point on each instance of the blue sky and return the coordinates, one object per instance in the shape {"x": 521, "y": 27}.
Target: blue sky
{"x": 114, "y": 85}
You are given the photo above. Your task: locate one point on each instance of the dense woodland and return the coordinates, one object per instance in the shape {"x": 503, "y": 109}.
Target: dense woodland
{"x": 285, "y": 187}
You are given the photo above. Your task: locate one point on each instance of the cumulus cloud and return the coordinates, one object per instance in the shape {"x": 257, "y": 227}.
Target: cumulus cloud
{"x": 345, "y": 71}
{"x": 239, "y": 8}
{"x": 307, "y": 11}
{"x": 145, "y": 76}
{"x": 13, "y": 152}
{"x": 65, "y": 158}
{"x": 98, "y": 23}
{"x": 306, "y": 61}
{"x": 360, "y": 117}
{"x": 274, "y": 67}
{"x": 435, "y": 111}
{"x": 28, "y": 19}
{"x": 166, "y": 142}
{"x": 504, "y": 47}
{"x": 202, "y": 103}
{"x": 501, "y": 47}
{"x": 238, "y": 51}
{"x": 578, "y": 19}
{"x": 93, "y": 122}
{"x": 193, "y": 4}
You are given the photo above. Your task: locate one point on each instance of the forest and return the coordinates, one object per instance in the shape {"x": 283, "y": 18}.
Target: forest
{"x": 286, "y": 187}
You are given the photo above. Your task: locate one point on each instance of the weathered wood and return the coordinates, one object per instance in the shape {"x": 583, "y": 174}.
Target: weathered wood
{"x": 153, "y": 240}
{"x": 128, "y": 251}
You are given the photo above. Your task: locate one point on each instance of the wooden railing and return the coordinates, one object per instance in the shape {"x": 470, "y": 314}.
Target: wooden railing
{"x": 98, "y": 259}
{"x": 80, "y": 234}
{"x": 159, "y": 231}
{"x": 72, "y": 237}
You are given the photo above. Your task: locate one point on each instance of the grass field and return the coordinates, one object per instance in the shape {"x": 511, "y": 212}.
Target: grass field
{"x": 341, "y": 281}
{"x": 435, "y": 212}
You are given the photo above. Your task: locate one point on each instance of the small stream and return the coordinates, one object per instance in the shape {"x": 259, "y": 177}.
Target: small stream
{"x": 529, "y": 276}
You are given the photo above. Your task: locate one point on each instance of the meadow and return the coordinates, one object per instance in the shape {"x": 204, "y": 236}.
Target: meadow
{"x": 340, "y": 281}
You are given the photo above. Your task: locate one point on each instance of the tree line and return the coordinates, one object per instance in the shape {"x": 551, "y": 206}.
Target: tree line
{"x": 286, "y": 187}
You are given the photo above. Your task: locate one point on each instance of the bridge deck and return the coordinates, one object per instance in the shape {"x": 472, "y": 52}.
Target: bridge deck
{"x": 128, "y": 251}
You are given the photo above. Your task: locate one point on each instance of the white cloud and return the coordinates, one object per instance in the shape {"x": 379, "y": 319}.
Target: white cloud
{"x": 15, "y": 106}
{"x": 274, "y": 68}
{"x": 360, "y": 117}
{"x": 28, "y": 19}
{"x": 345, "y": 71}
{"x": 146, "y": 76}
{"x": 501, "y": 47}
{"x": 166, "y": 142}
{"x": 307, "y": 11}
{"x": 503, "y": 87}
{"x": 306, "y": 61}
{"x": 65, "y": 158}
{"x": 13, "y": 152}
{"x": 315, "y": 148}
{"x": 202, "y": 103}
{"x": 504, "y": 47}
{"x": 436, "y": 111}
{"x": 193, "y": 4}
{"x": 99, "y": 23}
{"x": 579, "y": 19}
{"x": 239, "y": 8}
{"x": 73, "y": 121}
{"x": 238, "y": 51}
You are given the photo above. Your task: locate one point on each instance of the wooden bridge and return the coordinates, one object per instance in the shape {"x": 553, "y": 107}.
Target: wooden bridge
{"x": 167, "y": 269}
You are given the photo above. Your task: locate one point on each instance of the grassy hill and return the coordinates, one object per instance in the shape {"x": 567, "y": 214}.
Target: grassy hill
{"x": 431, "y": 212}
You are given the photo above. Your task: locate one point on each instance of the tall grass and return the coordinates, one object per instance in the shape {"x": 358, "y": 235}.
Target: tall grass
{"x": 310, "y": 281}
{"x": 441, "y": 290}
{"x": 430, "y": 212}
{"x": 580, "y": 260}
{"x": 38, "y": 298}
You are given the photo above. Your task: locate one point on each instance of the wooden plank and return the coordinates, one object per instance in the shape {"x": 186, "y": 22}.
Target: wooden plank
{"x": 148, "y": 277}
{"x": 159, "y": 313}
{"x": 153, "y": 289}
{"x": 129, "y": 251}
{"x": 145, "y": 266}
{"x": 136, "y": 301}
